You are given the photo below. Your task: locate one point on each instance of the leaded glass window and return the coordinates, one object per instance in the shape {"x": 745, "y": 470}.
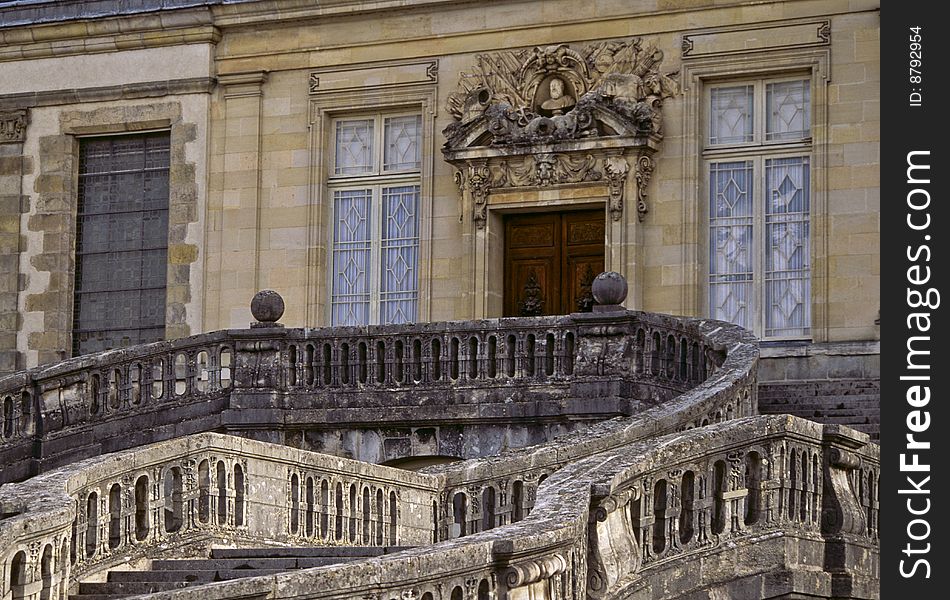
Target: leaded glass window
{"x": 730, "y": 241}
{"x": 375, "y": 188}
{"x": 731, "y": 115}
{"x": 121, "y": 242}
{"x": 788, "y": 110}
{"x": 759, "y": 189}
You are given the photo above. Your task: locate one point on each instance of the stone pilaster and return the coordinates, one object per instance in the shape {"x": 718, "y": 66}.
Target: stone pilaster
{"x": 12, "y": 166}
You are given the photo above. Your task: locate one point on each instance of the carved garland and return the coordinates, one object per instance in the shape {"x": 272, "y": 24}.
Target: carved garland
{"x": 547, "y": 169}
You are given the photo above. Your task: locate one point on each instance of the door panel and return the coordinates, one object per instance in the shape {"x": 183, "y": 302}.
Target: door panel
{"x": 550, "y": 261}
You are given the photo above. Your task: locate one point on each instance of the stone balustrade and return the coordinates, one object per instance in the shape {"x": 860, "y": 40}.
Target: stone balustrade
{"x": 761, "y": 505}
{"x": 497, "y": 531}
{"x": 184, "y": 495}
{"x": 563, "y": 372}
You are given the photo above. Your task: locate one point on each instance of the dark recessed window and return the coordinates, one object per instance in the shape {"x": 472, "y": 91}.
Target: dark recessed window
{"x": 121, "y": 242}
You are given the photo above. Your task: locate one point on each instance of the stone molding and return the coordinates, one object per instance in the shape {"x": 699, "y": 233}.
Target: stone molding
{"x": 54, "y": 218}
{"x": 735, "y": 40}
{"x": 149, "y": 89}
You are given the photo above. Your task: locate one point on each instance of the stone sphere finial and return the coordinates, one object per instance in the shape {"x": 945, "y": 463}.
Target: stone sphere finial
{"x": 609, "y": 290}
{"x": 267, "y": 307}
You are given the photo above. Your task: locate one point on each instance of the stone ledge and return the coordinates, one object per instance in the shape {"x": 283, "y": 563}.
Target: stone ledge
{"x": 148, "y": 89}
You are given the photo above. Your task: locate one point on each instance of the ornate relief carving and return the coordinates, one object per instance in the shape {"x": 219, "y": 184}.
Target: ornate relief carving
{"x": 585, "y": 300}
{"x": 645, "y": 166}
{"x": 478, "y": 180}
{"x": 532, "y": 304}
{"x": 616, "y": 169}
{"x": 544, "y": 170}
{"x": 559, "y": 93}
{"x": 13, "y": 126}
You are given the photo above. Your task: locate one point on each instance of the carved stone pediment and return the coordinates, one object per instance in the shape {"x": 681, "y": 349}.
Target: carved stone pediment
{"x": 556, "y": 93}
{"x": 555, "y": 116}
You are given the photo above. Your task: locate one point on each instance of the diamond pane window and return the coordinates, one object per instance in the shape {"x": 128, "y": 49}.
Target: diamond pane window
{"x": 731, "y": 115}
{"x": 401, "y": 141}
{"x": 375, "y": 270}
{"x": 759, "y": 206}
{"x": 787, "y": 288}
{"x": 730, "y": 242}
{"x": 788, "y": 110}
{"x": 354, "y": 147}
{"x": 351, "y": 257}
{"x": 121, "y": 242}
{"x": 399, "y": 255}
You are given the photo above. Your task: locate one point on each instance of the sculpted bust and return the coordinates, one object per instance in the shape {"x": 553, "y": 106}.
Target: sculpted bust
{"x": 559, "y": 101}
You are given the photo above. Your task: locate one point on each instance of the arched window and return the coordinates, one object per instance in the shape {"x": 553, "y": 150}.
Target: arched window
{"x": 459, "y": 511}
{"x": 659, "y": 516}
{"x": 115, "y": 515}
{"x": 294, "y": 503}
{"x": 687, "y": 497}
{"x": 517, "y": 501}
{"x": 393, "y": 514}
{"x": 204, "y": 491}
{"x": 46, "y": 572}
{"x": 488, "y": 508}
{"x": 238, "y": 495}
{"x": 92, "y": 524}
{"x": 18, "y": 574}
{"x": 141, "y": 508}
{"x": 308, "y": 521}
{"x": 753, "y": 482}
{"x": 222, "y": 478}
{"x": 172, "y": 499}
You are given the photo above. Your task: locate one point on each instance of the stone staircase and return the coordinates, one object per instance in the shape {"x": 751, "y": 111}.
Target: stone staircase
{"x": 852, "y": 402}
{"x": 222, "y": 565}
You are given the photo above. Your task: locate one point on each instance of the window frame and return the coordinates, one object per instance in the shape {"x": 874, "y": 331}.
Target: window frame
{"x": 79, "y": 214}
{"x": 375, "y": 181}
{"x": 758, "y": 151}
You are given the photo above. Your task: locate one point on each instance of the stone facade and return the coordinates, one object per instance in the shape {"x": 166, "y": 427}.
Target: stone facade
{"x": 524, "y": 107}
{"x": 255, "y": 106}
{"x": 694, "y": 495}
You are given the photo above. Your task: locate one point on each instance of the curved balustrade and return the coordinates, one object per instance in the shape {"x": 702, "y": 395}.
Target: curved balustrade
{"x": 624, "y": 522}
{"x": 684, "y": 372}
{"x": 195, "y": 491}
{"x": 626, "y": 361}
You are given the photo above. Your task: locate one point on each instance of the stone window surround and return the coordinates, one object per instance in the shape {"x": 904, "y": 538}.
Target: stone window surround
{"x": 59, "y": 162}
{"x": 324, "y": 108}
{"x": 697, "y": 74}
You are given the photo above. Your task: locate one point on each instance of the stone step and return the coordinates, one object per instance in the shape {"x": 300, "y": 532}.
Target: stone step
{"x": 306, "y": 552}
{"x": 818, "y": 412}
{"x": 807, "y": 408}
{"x": 190, "y": 576}
{"x": 96, "y": 596}
{"x": 128, "y": 588}
{"x": 217, "y": 564}
{"x": 871, "y": 400}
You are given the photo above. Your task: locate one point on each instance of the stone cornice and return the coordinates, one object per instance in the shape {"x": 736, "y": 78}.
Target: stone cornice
{"x": 148, "y": 89}
{"x": 190, "y": 26}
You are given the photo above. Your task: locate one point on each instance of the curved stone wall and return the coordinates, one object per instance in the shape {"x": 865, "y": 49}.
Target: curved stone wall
{"x": 752, "y": 507}
{"x": 465, "y": 389}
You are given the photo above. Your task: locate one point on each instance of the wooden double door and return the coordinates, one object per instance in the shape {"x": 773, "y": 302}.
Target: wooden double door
{"x": 551, "y": 260}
